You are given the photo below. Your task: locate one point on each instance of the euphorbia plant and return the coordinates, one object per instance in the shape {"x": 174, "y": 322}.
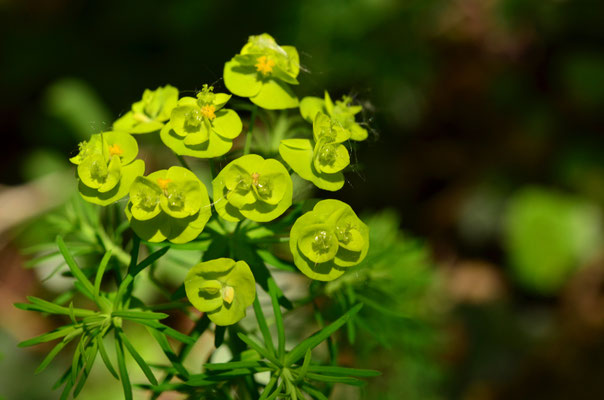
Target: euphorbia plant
{"x": 239, "y": 229}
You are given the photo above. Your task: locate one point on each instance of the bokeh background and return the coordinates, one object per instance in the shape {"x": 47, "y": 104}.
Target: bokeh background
{"x": 487, "y": 121}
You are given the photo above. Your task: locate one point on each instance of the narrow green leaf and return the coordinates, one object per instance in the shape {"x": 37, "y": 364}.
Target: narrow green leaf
{"x": 76, "y": 361}
{"x": 311, "y": 342}
{"x": 272, "y": 260}
{"x": 100, "y": 272}
{"x": 66, "y": 390}
{"x": 105, "y": 357}
{"x": 277, "y": 391}
{"x": 121, "y": 364}
{"x": 73, "y": 266}
{"x": 266, "y": 333}
{"x": 129, "y": 314}
{"x": 161, "y": 339}
{"x": 302, "y": 370}
{"x": 232, "y": 365}
{"x": 262, "y": 351}
{"x": 335, "y": 379}
{"x": 38, "y": 304}
{"x": 314, "y": 392}
{"x": 272, "y": 290}
{"x": 90, "y": 356}
{"x": 47, "y": 337}
{"x": 165, "y": 329}
{"x": 137, "y": 357}
{"x": 269, "y": 386}
{"x": 52, "y": 354}
{"x": 343, "y": 371}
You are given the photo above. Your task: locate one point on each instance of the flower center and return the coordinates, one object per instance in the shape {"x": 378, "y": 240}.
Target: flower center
{"x": 255, "y": 178}
{"x": 208, "y": 112}
{"x": 115, "y": 150}
{"x": 264, "y": 65}
{"x": 163, "y": 183}
{"x": 228, "y": 294}
{"x": 321, "y": 242}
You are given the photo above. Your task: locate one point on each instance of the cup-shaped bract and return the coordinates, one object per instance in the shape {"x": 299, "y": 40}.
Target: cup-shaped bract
{"x": 328, "y": 239}
{"x": 263, "y": 71}
{"x": 323, "y": 160}
{"x": 222, "y": 288}
{"x": 343, "y": 111}
{"x": 150, "y": 113}
{"x": 254, "y": 188}
{"x": 106, "y": 166}
{"x": 168, "y": 204}
{"x": 201, "y": 127}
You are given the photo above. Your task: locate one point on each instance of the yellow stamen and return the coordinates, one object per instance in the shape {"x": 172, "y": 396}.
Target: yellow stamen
{"x": 208, "y": 112}
{"x": 163, "y": 183}
{"x": 115, "y": 150}
{"x": 265, "y": 65}
{"x": 228, "y": 294}
{"x": 255, "y": 177}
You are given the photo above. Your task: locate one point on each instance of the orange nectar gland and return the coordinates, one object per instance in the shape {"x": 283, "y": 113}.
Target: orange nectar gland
{"x": 115, "y": 150}
{"x": 208, "y": 112}
{"x": 255, "y": 177}
{"x": 163, "y": 183}
{"x": 264, "y": 65}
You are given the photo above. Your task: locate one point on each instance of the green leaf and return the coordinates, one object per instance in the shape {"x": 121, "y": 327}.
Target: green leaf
{"x": 266, "y": 333}
{"x": 259, "y": 349}
{"x": 100, "y": 272}
{"x": 335, "y": 379}
{"x": 161, "y": 339}
{"x": 139, "y": 360}
{"x": 52, "y": 354}
{"x": 165, "y": 330}
{"x": 227, "y": 124}
{"x": 50, "y": 336}
{"x": 105, "y": 357}
{"x": 241, "y": 80}
{"x": 311, "y": 342}
{"x": 232, "y": 365}
{"x": 73, "y": 266}
{"x": 310, "y": 106}
{"x": 314, "y": 392}
{"x": 129, "y": 314}
{"x": 121, "y": 363}
{"x": 273, "y": 290}
{"x": 343, "y": 371}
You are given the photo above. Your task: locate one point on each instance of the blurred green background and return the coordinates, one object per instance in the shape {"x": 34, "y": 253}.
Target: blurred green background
{"x": 487, "y": 139}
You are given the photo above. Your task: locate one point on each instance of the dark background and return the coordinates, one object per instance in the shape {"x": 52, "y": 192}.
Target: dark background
{"x": 470, "y": 102}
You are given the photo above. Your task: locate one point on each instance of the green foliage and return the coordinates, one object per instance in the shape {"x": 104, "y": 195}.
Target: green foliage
{"x": 168, "y": 216}
{"x": 150, "y": 113}
{"x": 328, "y": 240}
{"x": 548, "y": 235}
{"x": 263, "y": 71}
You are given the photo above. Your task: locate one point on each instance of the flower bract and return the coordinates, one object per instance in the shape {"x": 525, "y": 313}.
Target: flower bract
{"x": 343, "y": 111}
{"x": 106, "y": 166}
{"x": 168, "y": 204}
{"x": 263, "y": 71}
{"x": 150, "y": 113}
{"x": 222, "y": 288}
{"x": 201, "y": 127}
{"x": 320, "y": 161}
{"x": 252, "y": 187}
{"x": 327, "y": 240}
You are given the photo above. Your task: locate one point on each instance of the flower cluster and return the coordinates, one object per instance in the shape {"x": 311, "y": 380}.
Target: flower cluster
{"x": 174, "y": 205}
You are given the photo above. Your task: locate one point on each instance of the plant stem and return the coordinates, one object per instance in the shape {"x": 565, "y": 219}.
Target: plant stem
{"x": 183, "y": 162}
{"x": 250, "y": 130}
{"x": 116, "y": 250}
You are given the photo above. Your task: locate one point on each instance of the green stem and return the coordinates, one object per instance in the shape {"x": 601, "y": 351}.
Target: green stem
{"x": 116, "y": 250}
{"x": 250, "y": 130}
{"x": 183, "y": 162}
{"x": 212, "y": 168}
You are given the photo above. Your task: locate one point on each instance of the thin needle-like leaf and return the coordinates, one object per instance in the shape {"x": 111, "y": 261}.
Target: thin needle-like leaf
{"x": 266, "y": 333}
{"x": 137, "y": 357}
{"x": 311, "y": 342}
{"x": 100, "y": 272}
{"x": 121, "y": 364}
{"x": 73, "y": 266}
